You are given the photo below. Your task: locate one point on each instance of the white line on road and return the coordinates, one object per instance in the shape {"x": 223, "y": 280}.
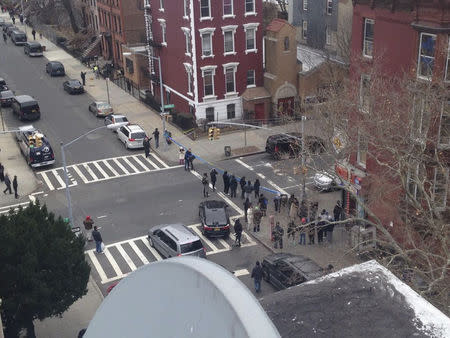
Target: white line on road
{"x": 152, "y": 163}
{"x": 78, "y": 171}
{"x": 7, "y": 207}
{"x": 100, "y": 169}
{"x": 131, "y": 165}
{"x": 97, "y": 265}
{"x": 32, "y": 198}
{"x": 207, "y": 241}
{"x": 47, "y": 181}
{"x": 103, "y": 216}
{"x": 113, "y": 262}
{"x": 159, "y": 160}
{"x": 115, "y": 173}
{"x": 90, "y": 172}
{"x": 37, "y": 193}
{"x": 126, "y": 257}
{"x": 139, "y": 253}
{"x": 121, "y": 166}
{"x": 140, "y": 163}
{"x": 58, "y": 178}
{"x": 241, "y": 272}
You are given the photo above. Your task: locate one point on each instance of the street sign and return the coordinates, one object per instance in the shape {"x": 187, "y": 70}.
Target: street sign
{"x": 169, "y": 106}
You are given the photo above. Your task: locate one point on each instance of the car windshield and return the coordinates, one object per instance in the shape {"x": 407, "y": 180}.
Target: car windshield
{"x": 190, "y": 247}
{"x": 6, "y": 94}
{"x": 121, "y": 119}
{"x": 138, "y": 135}
{"x": 74, "y": 82}
{"x": 216, "y": 216}
{"x": 103, "y": 105}
{"x": 36, "y": 49}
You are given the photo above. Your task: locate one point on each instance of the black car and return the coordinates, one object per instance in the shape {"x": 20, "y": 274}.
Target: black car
{"x": 73, "y": 87}
{"x": 6, "y": 25}
{"x": 284, "y": 270}
{"x": 6, "y": 98}
{"x": 3, "y": 85}
{"x": 26, "y": 107}
{"x": 55, "y": 68}
{"x": 214, "y": 218}
{"x": 291, "y": 144}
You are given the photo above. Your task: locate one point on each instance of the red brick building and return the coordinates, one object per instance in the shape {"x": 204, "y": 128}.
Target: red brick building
{"x": 211, "y": 52}
{"x": 402, "y": 37}
{"x": 120, "y": 22}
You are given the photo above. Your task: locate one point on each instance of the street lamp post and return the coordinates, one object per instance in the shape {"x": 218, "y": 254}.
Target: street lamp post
{"x": 303, "y": 160}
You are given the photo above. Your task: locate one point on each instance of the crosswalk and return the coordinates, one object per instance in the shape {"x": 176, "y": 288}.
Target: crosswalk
{"x": 124, "y": 257}
{"x": 102, "y": 170}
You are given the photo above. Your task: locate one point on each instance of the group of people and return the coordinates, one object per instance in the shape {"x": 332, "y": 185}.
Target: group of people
{"x": 4, "y": 177}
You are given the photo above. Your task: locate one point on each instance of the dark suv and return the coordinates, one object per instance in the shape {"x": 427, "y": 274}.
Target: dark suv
{"x": 55, "y": 68}
{"x": 291, "y": 144}
{"x": 26, "y": 108}
{"x": 214, "y": 218}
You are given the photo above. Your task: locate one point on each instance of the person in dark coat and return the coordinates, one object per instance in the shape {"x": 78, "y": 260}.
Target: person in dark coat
{"x": 226, "y": 182}
{"x": 242, "y": 183}
{"x": 2, "y": 172}
{"x": 256, "y": 186}
{"x": 303, "y": 212}
{"x": 277, "y": 202}
{"x": 33, "y": 32}
{"x": 233, "y": 186}
{"x": 263, "y": 204}
{"x": 146, "y": 144}
{"x": 337, "y": 211}
{"x": 238, "y": 231}
{"x": 257, "y": 215}
{"x": 247, "y": 205}
{"x": 187, "y": 157}
{"x": 191, "y": 161}
{"x": 13, "y": 20}
{"x": 8, "y": 184}
{"x": 205, "y": 184}
{"x": 15, "y": 186}
{"x": 278, "y": 233}
{"x": 156, "y": 135}
{"x": 257, "y": 275}
{"x": 329, "y": 229}
{"x": 213, "y": 176}
{"x": 83, "y": 77}
{"x": 98, "y": 240}
{"x": 248, "y": 189}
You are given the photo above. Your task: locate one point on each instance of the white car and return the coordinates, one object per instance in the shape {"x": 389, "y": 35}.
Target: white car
{"x": 324, "y": 182}
{"x": 115, "y": 121}
{"x": 132, "y": 136}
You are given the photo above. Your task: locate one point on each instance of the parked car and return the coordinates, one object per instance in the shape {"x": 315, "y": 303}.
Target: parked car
{"x": 35, "y": 147}
{"x": 325, "y": 182}
{"x": 6, "y": 26}
{"x": 26, "y": 108}
{"x": 291, "y": 144}
{"x": 132, "y": 136}
{"x": 100, "y": 108}
{"x": 73, "y": 87}
{"x": 215, "y": 219}
{"x": 32, "y": 48}
{"x": 18, "y": 37}
{"x": 3, "y": 85}
{"x": 55, "y": 68}
{"x": 11, "y": 29}
{"x": 116, "y": 121}
{"x": 6, "y": 98}
{"x": 284, "y": 270}
{"x": 173, "y": 240}
{"x": 2, "y": 22}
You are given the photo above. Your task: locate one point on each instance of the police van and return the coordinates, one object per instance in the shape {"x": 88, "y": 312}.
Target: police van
{"x": 35, "y": 147}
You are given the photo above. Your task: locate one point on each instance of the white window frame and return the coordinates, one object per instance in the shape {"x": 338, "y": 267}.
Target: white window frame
{"x": 428, "y": 78}
{"x": 365, "y": 42}
{"x": 305, "y": 5}
{"x": 209, "y": 31}
{"x": 189, "y": 73}
{"x": 358, "y": 153}
{"x": 203, "y": 18}
{"x": 213, "y": 73}
{"x": 224, "y": 16}
{"x": 254, "y": 79}
{"x": 443, "y": 113}
{"x": 362, "y": 107}
{"x": 245, "y": 8}
{"x": 328, "y": 36}
{"x": 162, "y": 22}
{"x": 233, "y": 66}
{"x": 185, "y": 9}
{"x": 446, "y": 184}
{"x": 187, "y": 35}
{"x": 253, "y": 26}
{"x": 161, "y": 5}
{"x": 232, "y": 29}
{"x": 305, "y": 29}
{"x": 329, "y": 7}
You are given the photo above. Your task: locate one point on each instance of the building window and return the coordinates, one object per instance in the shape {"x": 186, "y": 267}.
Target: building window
{"x": 130, "y": 65}
{"x": 250, "y": 37}
{"x": 305, "y": 5}
{"x": 249, "y": 6}
{"x": 426, "y": 56}
{"x": 231, "y": 111}
{"x": 362, "y": 151}
{"x": 364, "y": 93}
{"x": 304, "y": 29}
{"x": 186, "y": 8}
{"x": 209, "y": 114}
{"x": 227, "y": 7}
{"x": 368, "y": 38}
{"x": 250, "y": 78}
{"x": 286, "y": 43}
{"x": 230, "y": 80}
{"x": 207, "y": 44}
{"x": 187, "y": 36}
{"x": 188, "y": 68}
{"x": 229, "y": 42}
{"x": 440, "y": 186}
{"x": 161, "y": 5}
{"x": 328, "y": 36}
{"x": 444, "y": 132}
{"x": 162, "y": 22}
{"x": 208, "y": 73}
{"x": 447, "y": 66}
{"x": 205, "y": 9}
{"x": 329, "y": 7}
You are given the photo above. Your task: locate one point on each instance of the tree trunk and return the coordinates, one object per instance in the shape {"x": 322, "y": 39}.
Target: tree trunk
{"x": 68, "y": 5}
{"x": 30, "y": 329}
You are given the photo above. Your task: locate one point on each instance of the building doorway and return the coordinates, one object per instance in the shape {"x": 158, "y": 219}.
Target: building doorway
{"x": 259, "y": 111}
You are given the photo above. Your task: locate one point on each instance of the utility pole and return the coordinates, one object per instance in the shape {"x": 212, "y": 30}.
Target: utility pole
{"x": 303, "y": 160}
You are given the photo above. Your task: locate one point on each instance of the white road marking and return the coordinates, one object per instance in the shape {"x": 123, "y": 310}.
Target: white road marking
{"x": 103, "y": 216}
{"x": 113, "y": 263}
{"x": 241, "y": 272}
{"x": 32, "y": 198}
{"x": 97, "y": 265}
{"x": 7, "y": 207}
{"x": 47, "y": 181}
{"x": 126, "y": 257}
{"x": 121, "y": 166}
{"x": 244, "y": 164}
{"x": 90, "y": 172}
{"x": 151, "y": 163}
{"x": 159, "y": 160}
{"x": 78, "y": 171}
{"x": 37, "y": 193}
{"x": 143, "y": 166}
{"x": 152, "y": 250}
{"x": 139, "y": 253}
{"x": 224, "y": 244}
{"x": 110, "y": 168}
{"x": 203, "y": 238}
{"x": 100, "y": 169}
{"x": 130, "y": 165}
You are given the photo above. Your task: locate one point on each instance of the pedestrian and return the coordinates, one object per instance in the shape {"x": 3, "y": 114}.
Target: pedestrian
{"x": 98, "y": 240}
{"x": 278, "y": 233}
{"x": 13, "y": 20}
{"x": 293, "y": 210}
{"x": 302, "y": 230}
{"x": 88, "y": 223}
{"x": 15, "y": 186}
{"x": 83, "y": 77}
{"x": 187, "y": 155}
{"x": 40, "y": 35}
{"x": 257, "y": 275}
{"x": 156, "y": 135}
{"x": 321, "y": 225}
{"x": 233, "y": 186}
{"x": 263, "y": 204}
{"x": 257, "y": 215}
{"x": 313, "y": 210}
{"x": 146, "y": 144}
{"x": 2, "y": 172}
{"x": 248, "y": 189}
{"x": 205, "y": 184}
{"x": 213, "y": 176}
{"x": 338, "y": 211}
{"x": 8, "y": 184}
{"x": 238, "y": 231}
{"x": 311, "y": 231}
{"x": 226, "y": 182}
{"x": 242, "y": 183}
{"x": 21, "y": 18}
{"x": 191, "y": 161}
{"x": 248, "y": 214}
{"x": 33, "y": 32}
{"x": 303, "y": 211}
{"x": 329, "y": 229}
{"x": 256, "y": 186}
{"x": 291, "y": 230}
{"x": 96, "y": 71}
{"x": 181, "y": 156}
{"x": 290, "y": 201}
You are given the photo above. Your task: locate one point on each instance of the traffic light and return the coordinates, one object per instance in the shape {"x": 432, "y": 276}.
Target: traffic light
{"x": 216, "y": 133}
{"x": 211, "y": 133}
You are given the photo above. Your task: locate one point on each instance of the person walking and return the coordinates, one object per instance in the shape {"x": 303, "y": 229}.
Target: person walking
{"x": 13, "y": 20}
{"x": 156, "y": 135}
{"x": 191, "y": 161}
{"x": 88, "y": 223}
{"x": 248, "y": 189}
{"x": 238, "y": 232}
{"x": 277, "y": 202}
{"x": 205, "y": 184}
{"x": 311, "y": 232}
{"x": 257, "y": 275}
{"x": 302, "y": 231}
{"x": 291, "y": 230}
{"x": 33, "y": 32}
{"x": 2, "y": 172}
{"x": 15, "y": 185}
{"x": 256, "y": 187}
{"x": 213, "y": 176}
{"x": 263, "y": 204}
{"x": 181, "y": 156}
{"x": 293, "y": 210}
{"x": 329, "y": 229}
{"x": 187, "y": 156}
{"x": 257, "y": 215}
{"x": 226, "y": 182}
{"x": 8, "y": 184}
{"x": 21, "y": 18}
{"x": 146, "y": 144}
{"x": 303, "y": 211}
{"x": 338, "y": 211}
{"x": 242, "y": 183}
{"x": 278, "y": 233}
{"x": 83, "y": 77}
{"x": 98, "y": 239}
{"x": 247, "y": 205}
{"x": 233, "y": 186}
{"x": 96, "y": 72}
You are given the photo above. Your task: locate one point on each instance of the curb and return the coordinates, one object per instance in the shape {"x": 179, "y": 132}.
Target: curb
{"x": 244, "y": 155}
{"x": 91, "y": 280}
{"x": 262, "y": 242}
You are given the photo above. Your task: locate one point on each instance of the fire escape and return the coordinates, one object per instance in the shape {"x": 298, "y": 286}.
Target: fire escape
{"x": 151, "y": 44}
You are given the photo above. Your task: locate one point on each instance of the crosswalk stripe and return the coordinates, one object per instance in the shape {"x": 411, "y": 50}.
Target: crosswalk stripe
{"x": 90, "y": 172}
{"x": 224, "y": 244}
{"x": 47, "y": 181}
{"x": 113, "y": 262}
{"x": 97, "y": 265}
{"x": 99, "y": 168}
{"x": 58, "y": 178}
{"x": 79, "y": 173}
{"x": 207, "y": 241}
{"x": 152, "y": 250}
{"x": 130, "y": 165}
{"x": 115, "y": 173}
{"x": 249, "y": 239}
{"x": 152, "y": 164}
{"x": 139, "y": 253}
{"x": 138, "y": 161}
{"x": 126, "y": 257}
{"x": 159, "y": 160}
{"x": 121, "y": 166}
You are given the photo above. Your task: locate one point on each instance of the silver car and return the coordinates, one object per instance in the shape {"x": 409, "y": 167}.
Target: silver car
{"x": 132, "y": 136}
{"x": 324, "y": 182}
{"x": 173, "y": 240}
{"x": 100, "y": 108}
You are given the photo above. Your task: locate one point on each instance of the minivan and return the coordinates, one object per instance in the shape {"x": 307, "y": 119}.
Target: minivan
{"x": 132, "y": 136}
{"x": 35, "y": 147}
{"x": 173, "y": 240}
{"x": 55, "y": 68}
{"x": 19, "y": 38}
{"x": 33, "y": 49}
{"x": 26, "y": 108}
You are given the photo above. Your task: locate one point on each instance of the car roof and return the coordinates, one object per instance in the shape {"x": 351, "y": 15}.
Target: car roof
{"x": 181, "y": 233}
{"x": 33, "y": 44}
{"x": 18, "y": 31}
{"x": 283, "y": 137}
{"x": 135, "y": 127}
{"x": 212, "y": 204}
{"x": 101, "y": 102}
{"x": 116, "y": 116}
{"x": 73, "y": 80}
{"x": 24, "y": 98}
{"x": 27, "y": 128}
{"x": 54, "y": 63}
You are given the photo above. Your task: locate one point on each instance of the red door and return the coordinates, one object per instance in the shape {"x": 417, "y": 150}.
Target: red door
{"x": 259, "y": 111}
{"x": 286, "y": 106}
